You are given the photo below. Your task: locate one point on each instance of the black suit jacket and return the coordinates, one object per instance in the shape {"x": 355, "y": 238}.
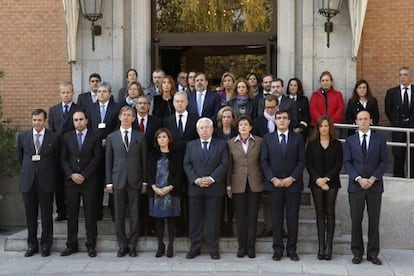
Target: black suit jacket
{"x": 289, "y": 105}
{"x": 211, "y": 105}
{"x": 353, "y": 108}
{"x": 153, "y": 125}
{"x": 322, "y": 162}
{"x": 85, "y": 100}
{"x": 302, "y": 105}
{"x": 274, "y": 165}
{"x": 260, "y": 126}
{"x": 85, "y": 161}
{"x": 111, "y": 119}
{"x": 215, "y": 165}
{"x": 45, "y": 168}
{"x": 190, "y": 132}
{"x": 57, "y": 122}
{"x": 394, "y": 109}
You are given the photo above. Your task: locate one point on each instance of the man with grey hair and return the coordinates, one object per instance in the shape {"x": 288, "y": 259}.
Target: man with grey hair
{"x": 205, "y": 163}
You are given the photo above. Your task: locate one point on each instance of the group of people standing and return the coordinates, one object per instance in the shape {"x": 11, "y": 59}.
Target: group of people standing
{"x": 196, "y": 147}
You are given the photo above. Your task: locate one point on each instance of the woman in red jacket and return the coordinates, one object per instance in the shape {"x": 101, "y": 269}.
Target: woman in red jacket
{"x": 326, "y": 101}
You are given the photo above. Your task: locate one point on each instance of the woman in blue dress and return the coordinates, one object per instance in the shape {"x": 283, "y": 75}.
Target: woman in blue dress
{"x": 165, "y": 175}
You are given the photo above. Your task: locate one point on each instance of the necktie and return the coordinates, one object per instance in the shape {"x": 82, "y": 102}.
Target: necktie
{"x": 283, "y": 144}
{"x": 80, "y": 140}
{"x": 205, "y": 150}
{"x": 37, "y": 142}
{"x": 126, "y": 140}
{"x": 103, "y": 111}
{"x": 364, "y": 145}
{"x": 66, "y": 111}
{"x": 180, "y": 126}
{"x": 141, "y": 125}
{"x": 199, "y": 103}
{"x": 406, "y": 103}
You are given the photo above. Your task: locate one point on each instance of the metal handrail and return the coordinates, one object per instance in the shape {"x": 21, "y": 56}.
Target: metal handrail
{"x": 407, "y": 144}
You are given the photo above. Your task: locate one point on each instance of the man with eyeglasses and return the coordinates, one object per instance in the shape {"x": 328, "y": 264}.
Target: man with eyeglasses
{"x": 80, "y": 158}
{"x": 182, "y": 81}
{"x": 283, "y": 161}
{"x": 87, "y": 99}
{"x": 399, "y": 108}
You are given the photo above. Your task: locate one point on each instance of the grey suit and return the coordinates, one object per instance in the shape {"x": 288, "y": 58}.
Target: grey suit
{"x": 125, "y": 170}
{"x": 205, "y": 203}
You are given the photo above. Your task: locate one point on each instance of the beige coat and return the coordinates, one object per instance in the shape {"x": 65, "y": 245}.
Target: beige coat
{"x": 245, "y": 166}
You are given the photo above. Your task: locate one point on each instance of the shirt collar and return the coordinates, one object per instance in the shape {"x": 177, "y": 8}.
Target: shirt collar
{"x": 361, "y": 134}
{"x": 145, "y": 117}
{"x": 123, "y": 130}
{"x": 403, "y": 87}
{"x": 184, "y": 113}
{"x": 83, "y": 132}
{"x": 42, "y": 132}
{"x": 238, "y": 138}
{"x": 208, "y": 140}
{"x": 286, "y": 133}
{"x": 68, "y": 104}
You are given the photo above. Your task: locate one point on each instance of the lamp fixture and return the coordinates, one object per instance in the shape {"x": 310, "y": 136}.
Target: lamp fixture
{"x": 328, "y": 9}
{"x": 93, "y": 10}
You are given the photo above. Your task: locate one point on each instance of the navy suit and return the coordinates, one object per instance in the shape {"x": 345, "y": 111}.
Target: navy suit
{"x": 274, "y": 164}
{"x": 85, "y": 100}
{"x": 84, "y": 161}
{"x": 37, "y": 182}
{"x": 374, "y": 164}
{"x": 211, "y": 104}
{"x": 289, "y": 105}
{"x": 205, "y": 203}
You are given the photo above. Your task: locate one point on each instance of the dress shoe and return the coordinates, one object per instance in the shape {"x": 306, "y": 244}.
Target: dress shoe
{"x": 31, "y": 251}
{"x": 192, "y": 254}
{"x": 328, "y": 257}
{"x": 92, "y": 252}
{"x": 356, "y": 259}
{"x": 170, "y": 250}
{"x": 160, "y": 251}
{"x": 215, "y": 256}
{"x": 61, "y": 218}
{"x": 122, "y": 252}
{"x": 241, "y": 253}
{"x": 277, "y": 256}
{"x": 265, "y": 233}
{"x": 45, "y": 252}
{"x": 68, "y": 251}
{"x": 251, "y": 254}
{"x": 293, "y": 256}
{"x": 133, "y": 252}
{"x": 375, "y": 260}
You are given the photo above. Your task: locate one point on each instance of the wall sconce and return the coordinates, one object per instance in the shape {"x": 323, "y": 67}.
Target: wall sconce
{"x": 329, "y": 8}
{"x": 93, "y": 10}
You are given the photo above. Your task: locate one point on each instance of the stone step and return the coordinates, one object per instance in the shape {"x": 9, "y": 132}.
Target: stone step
{"x": 108, "y": 243}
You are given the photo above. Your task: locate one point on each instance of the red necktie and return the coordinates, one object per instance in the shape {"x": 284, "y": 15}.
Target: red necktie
{"x": 141, "y": 125}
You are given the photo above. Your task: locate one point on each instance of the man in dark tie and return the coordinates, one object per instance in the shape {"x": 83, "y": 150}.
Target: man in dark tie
{"x": 182, "y": 82}
{"x": 38, "y": 155}
{"x": 205, "y": 163}
{"x": 60, "y": 122}
{"x": 87, "y": 99}
{"x": 399, "y": 108}
{"x": 125, "y": 158}
{"x": 365, "y": 160}
{"x": 285, "y": 103}
{"x": 266, "y": 84}
{"x": 283, "y": 161}
{"x": 153, "y": 89}
{"x": 80, "y": 158}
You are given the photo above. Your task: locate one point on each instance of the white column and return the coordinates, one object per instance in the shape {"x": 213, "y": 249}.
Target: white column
{"x": 286, "y": 39}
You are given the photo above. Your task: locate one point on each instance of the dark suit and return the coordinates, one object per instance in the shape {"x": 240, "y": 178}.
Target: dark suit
{"x": 211, "y": 104}
{"x": 60, "y": 124}
{"x": 400, "y": 117}
{"x": 84, "y": 161}
{"x": 126, "y": 171}
{"x": 302, "y": 105}
{"x": 374, "y": 164}
{"x": 190, "y": 132}
{"x": 37, "y": 183}
{"x": 274, "y": 164}
{"x": 205, "y": 203}
{"x": 85, "y": 100}
{"x": 250, "y": 108}
{"x": 289, "y": 105}
{"x": 260, "y": 101}
{"x": 260, "y": 127}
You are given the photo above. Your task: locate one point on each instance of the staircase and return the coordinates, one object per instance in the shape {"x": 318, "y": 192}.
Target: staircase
{"x": 307, "y": 240}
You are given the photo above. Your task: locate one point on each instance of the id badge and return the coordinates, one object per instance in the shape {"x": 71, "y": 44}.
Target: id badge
{"x": 102, "y": 125}
{"x": 36, "y": 157}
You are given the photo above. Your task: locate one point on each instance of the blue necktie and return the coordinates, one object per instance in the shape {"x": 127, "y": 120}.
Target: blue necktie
{"x": 199, "y": 103}
{"x": 66, "y": 111}
{"x": 37, "y": 142}
{"x": 180, "y": 126}
{"x": 283, "y": 144}
{"x": 80, "y": 140}
{"x": 205, "y": 150}
{"x": 103, "y": 111}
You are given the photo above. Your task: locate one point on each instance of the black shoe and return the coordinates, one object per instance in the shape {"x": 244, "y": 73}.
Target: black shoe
{"x": 122, "y": 252}
{"x": 160, "y": 251}
{"x": 170, "y": 250}
{"x": 241, "y": 253}
{"x": 277, "y": 256}
{"x": 328, "y": 257}
{"x": 357, "y": 259}
{"x": 133, "y": 252}
{"x": 265, "y": 233}
{"x": 31, "y": 251}
{"x": 251, "y": 254}
{"x": 61, "y": 218}
{"x": 293, "y": 256}
{"x": 92, "y": 252}
{"x": 68, "y": 251}
{"x": 375, "y": 260}
{"x": 45, "y": 252}
{"x": 215, "y": 256}
{"x": 192, "y": 254}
